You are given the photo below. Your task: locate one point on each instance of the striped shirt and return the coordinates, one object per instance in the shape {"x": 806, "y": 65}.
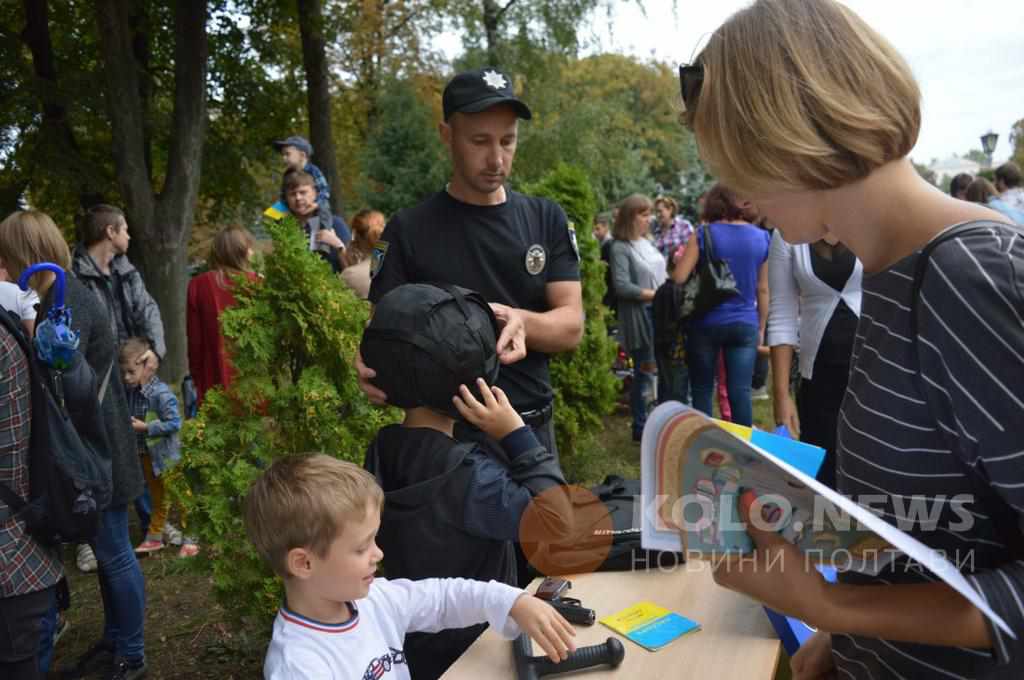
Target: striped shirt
{"x": 911, "y": 436}
{"x": 26, "y": 566}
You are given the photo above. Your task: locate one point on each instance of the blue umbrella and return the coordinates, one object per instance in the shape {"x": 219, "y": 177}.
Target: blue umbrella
{"x": 55, "y": 341}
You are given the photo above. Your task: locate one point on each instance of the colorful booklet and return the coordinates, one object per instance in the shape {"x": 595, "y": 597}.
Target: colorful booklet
{"x": 693, "y": 470}
{"x": 649, "y": 625}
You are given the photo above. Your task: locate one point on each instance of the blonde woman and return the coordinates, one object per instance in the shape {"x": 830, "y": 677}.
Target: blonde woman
{"x": 803, "y": 109}
{"x": 29, "y": 237}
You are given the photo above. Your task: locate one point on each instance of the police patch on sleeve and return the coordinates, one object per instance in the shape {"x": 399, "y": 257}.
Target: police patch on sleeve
{"x": 377, "y": 258}
{"x": 536, "y": 258}
{"x": 572, "y": 241}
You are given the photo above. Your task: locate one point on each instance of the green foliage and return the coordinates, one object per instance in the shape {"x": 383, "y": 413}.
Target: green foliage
{"x": 294, "y": 336}
{"x": 694, "y": 182}
{"x": 404, "y": 159}
{"x": 613, "y": 115}
{"x": 585, "y": 388}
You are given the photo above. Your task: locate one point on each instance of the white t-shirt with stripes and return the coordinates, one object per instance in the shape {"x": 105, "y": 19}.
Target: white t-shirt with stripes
{"x": 914, "y": 437}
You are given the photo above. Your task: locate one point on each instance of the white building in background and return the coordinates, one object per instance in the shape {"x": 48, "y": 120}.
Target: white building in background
{"x": 949, "y": 168}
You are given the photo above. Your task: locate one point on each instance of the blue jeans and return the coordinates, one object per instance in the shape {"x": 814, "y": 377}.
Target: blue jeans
{"x": 121, "y": 585}
{"x": 738, "y": 341}
{"x": 144, "y": 509}
{"x": 641, "y": 393}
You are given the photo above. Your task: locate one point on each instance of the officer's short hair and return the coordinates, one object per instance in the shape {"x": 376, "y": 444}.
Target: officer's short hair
{"x": 304, "y": 501}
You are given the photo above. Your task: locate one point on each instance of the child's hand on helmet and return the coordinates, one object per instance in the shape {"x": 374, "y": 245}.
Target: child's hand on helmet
{"x": 494, "y": 415}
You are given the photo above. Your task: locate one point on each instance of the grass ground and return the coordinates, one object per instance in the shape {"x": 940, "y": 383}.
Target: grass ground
{"x": 189, "y": 636}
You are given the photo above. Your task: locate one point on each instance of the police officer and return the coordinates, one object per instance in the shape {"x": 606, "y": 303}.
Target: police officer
{"x": 517, "y": 251}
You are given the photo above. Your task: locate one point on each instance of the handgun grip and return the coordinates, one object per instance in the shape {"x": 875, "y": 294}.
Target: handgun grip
{"x": 574, "y": 613}
{"x": 609, "y": 653}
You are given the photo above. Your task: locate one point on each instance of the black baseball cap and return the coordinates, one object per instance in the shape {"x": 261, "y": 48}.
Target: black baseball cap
{"x": 475, "y": 91}
{"x": 300, "y": 143}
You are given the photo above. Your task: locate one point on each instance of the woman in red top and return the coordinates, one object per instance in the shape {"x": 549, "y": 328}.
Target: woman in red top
{"x": 209, "y": 294}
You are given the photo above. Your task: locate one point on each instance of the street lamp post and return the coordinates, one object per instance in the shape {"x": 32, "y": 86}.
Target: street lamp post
{"x": 988, "y": 145}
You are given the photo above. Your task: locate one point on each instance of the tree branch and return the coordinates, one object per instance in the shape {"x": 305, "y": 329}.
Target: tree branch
{"x": 501, "y": 12}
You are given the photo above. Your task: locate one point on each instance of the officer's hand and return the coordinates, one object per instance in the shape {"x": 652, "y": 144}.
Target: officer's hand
{"x": 512, "y": 341}
{"x": 328, "y": 237}
{"x": 495, "y": 415}
{"x": 374, "y": 394}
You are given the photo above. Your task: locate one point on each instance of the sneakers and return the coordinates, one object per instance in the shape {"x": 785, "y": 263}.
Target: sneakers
{"x": 125, "y": 671}
{"x": 760, "y": 394}
{"x": 188, "y": 550}
{"x": 172, "y": 535}
{"x": 85, "y": 559}
{"x": 150, "y": 545}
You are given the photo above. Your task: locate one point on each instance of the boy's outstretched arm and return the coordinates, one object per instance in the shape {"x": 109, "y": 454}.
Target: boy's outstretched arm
{"x": 435, "y": 604}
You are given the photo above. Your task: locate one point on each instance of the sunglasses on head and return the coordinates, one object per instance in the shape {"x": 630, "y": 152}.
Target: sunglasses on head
{"x": 691, "y": 78}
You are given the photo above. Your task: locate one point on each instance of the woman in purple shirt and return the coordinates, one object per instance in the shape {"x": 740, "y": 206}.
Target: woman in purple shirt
{"x": 734, "y": 325}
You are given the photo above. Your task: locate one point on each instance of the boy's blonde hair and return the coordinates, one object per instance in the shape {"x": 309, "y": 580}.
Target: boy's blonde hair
{"x": 801, "y": 95}
{"x": 133, "y": 350}
{"x": 28, "y": 237}
{"x": 304, "y": 501}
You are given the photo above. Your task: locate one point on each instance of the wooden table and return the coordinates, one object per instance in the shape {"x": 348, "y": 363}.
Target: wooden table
{"x": 735, "y": 641}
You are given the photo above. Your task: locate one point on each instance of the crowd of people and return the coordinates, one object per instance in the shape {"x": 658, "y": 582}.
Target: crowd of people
{"x": 816, "y": 231}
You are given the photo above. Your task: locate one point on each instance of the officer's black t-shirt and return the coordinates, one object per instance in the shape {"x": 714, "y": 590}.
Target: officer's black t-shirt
{"x": 489, "y": 249}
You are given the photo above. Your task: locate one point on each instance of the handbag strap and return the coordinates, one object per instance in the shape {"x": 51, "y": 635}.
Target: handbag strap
{"x": 709, "y": 245}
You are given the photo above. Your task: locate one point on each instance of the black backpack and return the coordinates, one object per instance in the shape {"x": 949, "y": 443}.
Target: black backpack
{"x": 69, "y": 481}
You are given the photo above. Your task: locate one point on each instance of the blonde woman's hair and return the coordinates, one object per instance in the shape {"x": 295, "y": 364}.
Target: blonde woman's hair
{"x": 625, "y": 228}
{"x": 230, "y": 249}
{"x": 28, "y": 237}
{"x": 303, "y": 501}
{"x": 667, "y": 201}
{"x": 801, "y": 95}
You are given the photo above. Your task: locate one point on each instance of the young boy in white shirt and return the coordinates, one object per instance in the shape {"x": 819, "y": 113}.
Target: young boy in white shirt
{"x": 315, "y": 520}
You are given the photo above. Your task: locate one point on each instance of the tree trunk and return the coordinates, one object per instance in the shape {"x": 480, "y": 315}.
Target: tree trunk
{"x": 492, "y": 16}
{"x": 161, "y": 224}
{"x": 314, "y": 60}
{"x": 59, "y": 148}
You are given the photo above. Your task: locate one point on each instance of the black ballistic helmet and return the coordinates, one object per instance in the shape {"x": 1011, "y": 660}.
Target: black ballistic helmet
{"x": 425, "y": 340}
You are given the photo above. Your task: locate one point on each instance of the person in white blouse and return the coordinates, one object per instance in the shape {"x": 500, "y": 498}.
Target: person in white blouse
{"x": 815, "y": 306}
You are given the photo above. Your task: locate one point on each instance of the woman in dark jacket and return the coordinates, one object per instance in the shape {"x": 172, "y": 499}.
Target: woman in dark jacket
{"x": 31, "y": 238}
{"x": 637, "y": 270}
